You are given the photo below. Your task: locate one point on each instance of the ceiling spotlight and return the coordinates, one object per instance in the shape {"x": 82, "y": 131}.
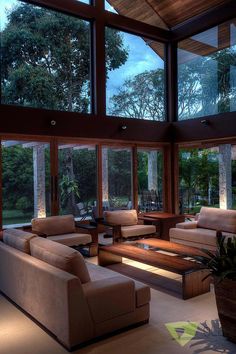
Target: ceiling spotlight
{"x": 124, "y": 127}
{"x": 205, "y": 122}
{"x": 53, "y": 122}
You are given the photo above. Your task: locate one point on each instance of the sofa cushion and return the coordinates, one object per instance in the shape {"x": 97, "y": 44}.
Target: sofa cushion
{"x": 142, "y": 291}
{"x": 54, "y": 225}
{"x": 73, "y": 239}
{"x": 18, "y": 239}
{"x": 60, "y": 256}
{"x": 217, "y": 219}
{"x": 199, "y": 235}
{"x": 137, "y": 230}
{"x": 121, "y": 217}
{"x": 104, "y": 297}
{"x": 187, "y": 225}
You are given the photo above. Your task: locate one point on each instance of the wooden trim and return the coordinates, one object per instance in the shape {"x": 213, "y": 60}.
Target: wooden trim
{"x": 136, "y": 27}
{"x": 98, "y": 45}
{"x": 175, "y": 178}
{"x": 99, "y": 180}
{"x": 1, "y": 209}
{"x": 171, "y": 82}
{"x": 204, "y": 21}
{"x": 221, "y": 126}
{"x": 19, "y": 121}
{"x": 135, "y": 177}
{"x": 167, "y": 185}
{"x": 72, "y": 7}
{"x": 54, "y": 175}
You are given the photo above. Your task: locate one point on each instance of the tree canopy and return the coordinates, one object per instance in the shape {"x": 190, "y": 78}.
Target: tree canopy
{"x": 46, "y": 59}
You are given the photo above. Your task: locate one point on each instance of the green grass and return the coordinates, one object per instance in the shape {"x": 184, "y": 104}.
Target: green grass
{"x": 15, "y": 217}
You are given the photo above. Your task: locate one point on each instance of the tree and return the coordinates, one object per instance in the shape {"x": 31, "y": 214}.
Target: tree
{"x": 46, "y": 59}
{"x": 141, "y": 96}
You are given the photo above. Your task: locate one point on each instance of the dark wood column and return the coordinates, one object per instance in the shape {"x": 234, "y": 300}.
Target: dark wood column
{"x": 171, "y": 82}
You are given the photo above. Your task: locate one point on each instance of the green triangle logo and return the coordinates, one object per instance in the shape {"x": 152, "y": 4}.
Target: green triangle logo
{"x": 182, "y": 332}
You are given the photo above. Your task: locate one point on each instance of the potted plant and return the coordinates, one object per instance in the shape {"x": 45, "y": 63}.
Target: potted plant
{"x": 222, "y": 266}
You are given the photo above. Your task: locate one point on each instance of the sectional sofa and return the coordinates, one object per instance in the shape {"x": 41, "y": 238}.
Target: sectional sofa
{"x": 75, "y": 300}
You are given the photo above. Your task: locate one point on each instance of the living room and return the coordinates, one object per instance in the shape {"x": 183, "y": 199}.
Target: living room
{"x": 121, "y": 107}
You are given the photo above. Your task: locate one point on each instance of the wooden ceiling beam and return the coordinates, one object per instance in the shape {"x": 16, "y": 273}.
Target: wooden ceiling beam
{"x": 204, "y": 21}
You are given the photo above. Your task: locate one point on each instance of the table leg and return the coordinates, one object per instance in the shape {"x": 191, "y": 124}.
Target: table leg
{"x": 192, "y": 284}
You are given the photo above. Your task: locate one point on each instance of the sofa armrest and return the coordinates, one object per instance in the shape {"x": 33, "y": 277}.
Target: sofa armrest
{"x": 109, "y": 298}
{"x": 187, "y": 225}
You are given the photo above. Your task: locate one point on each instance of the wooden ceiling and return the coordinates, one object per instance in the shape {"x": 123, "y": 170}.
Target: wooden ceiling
{"x": 163, "y": 13}
{"x": 168, "y": 14}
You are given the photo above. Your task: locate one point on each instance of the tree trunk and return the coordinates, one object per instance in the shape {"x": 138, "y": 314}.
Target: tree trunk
{"x": 225, "y": 176}
{"x": 39, "y": 181}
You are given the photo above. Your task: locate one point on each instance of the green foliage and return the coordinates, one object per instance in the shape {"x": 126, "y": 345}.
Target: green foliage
{"x": 23, "y": 203}
{"x": 46, "y": 59}
{"x": 141, "y": 97}
{"x": 68, "y": 186}
{"x": 221, "y": 264}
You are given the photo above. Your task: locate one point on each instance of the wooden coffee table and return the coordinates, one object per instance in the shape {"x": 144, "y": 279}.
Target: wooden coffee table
{"x": 192, "y": 273}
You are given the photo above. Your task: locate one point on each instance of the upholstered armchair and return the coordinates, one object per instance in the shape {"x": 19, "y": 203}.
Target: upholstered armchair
{"x": 125, "y": 225}
{"x": 64, "y": 229}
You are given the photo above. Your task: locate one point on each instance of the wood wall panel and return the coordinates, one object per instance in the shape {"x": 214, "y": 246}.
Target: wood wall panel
{"x": 212, "y": 127}
{"x": 38, "y": 122}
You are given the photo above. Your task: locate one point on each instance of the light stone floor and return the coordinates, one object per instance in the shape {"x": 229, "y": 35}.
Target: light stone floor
{"x": 20, "y": 335}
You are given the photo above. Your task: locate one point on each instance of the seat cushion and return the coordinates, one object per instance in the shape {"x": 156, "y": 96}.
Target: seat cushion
{"x": 60, "y": 256}
{"x": 121, "y": 217}
{"x": 18, "y": 239}
{"x": 110, "y": 298}
{"x": 73, "y": 239}
{"x": 217, "y": 219}
{"x": 137, "y": 230}
{"x": 54, "y": 225}
{"x": 199, "y": 235}
{"x": 142, "y": 291}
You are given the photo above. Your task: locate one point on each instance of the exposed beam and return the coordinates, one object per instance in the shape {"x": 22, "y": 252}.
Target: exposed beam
{"x": 204, "y": 21}
{"x": 139, "y": 28}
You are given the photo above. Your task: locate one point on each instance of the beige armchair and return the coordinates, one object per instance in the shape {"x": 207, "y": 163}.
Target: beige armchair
{"x": 64, "y": 229}
{"x": 125, "y": 225}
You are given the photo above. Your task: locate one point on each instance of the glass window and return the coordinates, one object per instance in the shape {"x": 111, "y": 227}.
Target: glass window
{"x": 139, "y": 10}
{"x": 117, "y": 178}
{"x": 150, "y": 176}
{"x": 135, "y": 76}
{"x": 46, "y": 58}
{"x": 207, "y": 72}
{"x": 77, "y": 180}
{"x": 25, "y": 181}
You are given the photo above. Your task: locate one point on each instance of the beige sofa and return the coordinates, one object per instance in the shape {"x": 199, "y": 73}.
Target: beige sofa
{"x": 76, "y": 301}
{"x": 202, "y": 232}
{"x": 62, "y": 229}
{"x": 125, "y": 225}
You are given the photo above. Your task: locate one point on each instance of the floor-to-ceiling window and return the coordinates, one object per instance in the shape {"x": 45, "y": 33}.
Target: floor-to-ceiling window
{"x": 25, "y": 181}
{"x": 207, "y": 177}
{"x": 117, "y": 192}
{"x": 150, "y": 179}
{"x": 77, "y": 181}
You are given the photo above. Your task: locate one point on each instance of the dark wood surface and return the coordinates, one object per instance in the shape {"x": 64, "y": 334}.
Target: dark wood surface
{"x": 171, "y": 247}
{"x": 191, "y": 272}
{"x": 170, "y": 263}
{"x": 167, "y": 221}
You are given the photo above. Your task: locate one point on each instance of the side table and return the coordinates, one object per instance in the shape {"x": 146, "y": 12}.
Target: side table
{"x": 167, "y": 221}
